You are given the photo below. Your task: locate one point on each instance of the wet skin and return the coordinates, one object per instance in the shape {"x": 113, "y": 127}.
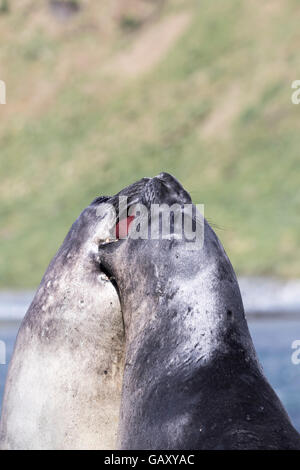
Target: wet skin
{"x": 191, "y": 378}
{"x": 63, "y": 387}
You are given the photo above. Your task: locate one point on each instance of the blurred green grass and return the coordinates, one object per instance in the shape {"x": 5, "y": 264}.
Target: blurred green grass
{"x": 215, "y": 111}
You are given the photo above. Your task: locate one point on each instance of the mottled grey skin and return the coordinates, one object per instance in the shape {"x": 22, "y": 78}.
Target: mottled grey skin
{"x": 63, "y": 388}
{"x": 191, "y": 379}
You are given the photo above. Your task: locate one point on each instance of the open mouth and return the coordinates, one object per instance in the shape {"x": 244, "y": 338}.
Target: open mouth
{"x": 121, "y": 230}
{"x": 161, "y": 189}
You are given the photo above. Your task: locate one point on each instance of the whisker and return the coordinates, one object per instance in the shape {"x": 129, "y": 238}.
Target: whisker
{"x": 217, "y": 226}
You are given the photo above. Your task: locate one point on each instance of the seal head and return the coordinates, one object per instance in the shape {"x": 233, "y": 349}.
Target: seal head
{"x": 191, "y": 379}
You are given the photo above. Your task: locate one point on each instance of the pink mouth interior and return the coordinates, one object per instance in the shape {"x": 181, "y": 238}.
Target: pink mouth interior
{"x": 122, "y": 227}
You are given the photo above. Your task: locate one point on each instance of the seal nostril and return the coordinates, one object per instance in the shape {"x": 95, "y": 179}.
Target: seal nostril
{"x": 164, "y": 176}
{"x": 172, "y": 187}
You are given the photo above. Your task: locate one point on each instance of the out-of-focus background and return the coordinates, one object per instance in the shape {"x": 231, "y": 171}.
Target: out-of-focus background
{"x": 101, "y": 93}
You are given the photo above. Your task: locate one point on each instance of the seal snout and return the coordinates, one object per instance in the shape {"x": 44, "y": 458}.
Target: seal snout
{"x": 165, "y": 188}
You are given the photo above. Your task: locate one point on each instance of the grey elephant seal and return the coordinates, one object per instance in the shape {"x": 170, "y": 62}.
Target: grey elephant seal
{"x": 191, "y": 379}
{"x": 63, "y": 389}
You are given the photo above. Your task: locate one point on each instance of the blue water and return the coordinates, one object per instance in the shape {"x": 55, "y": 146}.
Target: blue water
{"x": 272, "y": 339}
{"x": 8, "y": 333}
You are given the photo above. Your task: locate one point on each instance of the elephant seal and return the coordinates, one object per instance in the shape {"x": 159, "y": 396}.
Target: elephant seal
{"x": 64, "y": 383}
{"x": 192, "y": 379}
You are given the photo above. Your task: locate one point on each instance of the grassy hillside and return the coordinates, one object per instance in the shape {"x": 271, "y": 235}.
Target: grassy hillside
{"x": 114, "y": 93}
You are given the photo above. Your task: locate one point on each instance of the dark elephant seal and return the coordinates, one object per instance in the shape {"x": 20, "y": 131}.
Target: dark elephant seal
{"x": 191, "y": 379}
{"x": 64, "y": 383}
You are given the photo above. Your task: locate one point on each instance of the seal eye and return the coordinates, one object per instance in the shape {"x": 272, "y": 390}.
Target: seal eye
{"x": 122, "y": 227}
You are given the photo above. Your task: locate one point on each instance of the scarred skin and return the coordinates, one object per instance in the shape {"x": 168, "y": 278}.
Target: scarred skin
{"x": 192, "y": 378}
{"x": 64, "y": 383}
